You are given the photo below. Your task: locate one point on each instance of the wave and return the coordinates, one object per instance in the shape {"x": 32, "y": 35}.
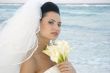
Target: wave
{"x": 9, "y": 6}
{"x": 88, "y": 28}
{"x": 86, "y": 4}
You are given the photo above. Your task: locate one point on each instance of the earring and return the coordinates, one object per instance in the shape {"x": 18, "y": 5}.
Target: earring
{"x": 52, "y": 42}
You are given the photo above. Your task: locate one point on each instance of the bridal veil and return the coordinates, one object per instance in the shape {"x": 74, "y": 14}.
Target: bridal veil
{"x": 18, "y": 38}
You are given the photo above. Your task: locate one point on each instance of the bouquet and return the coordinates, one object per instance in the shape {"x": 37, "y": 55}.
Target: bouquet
{"x": 58, "y": 52}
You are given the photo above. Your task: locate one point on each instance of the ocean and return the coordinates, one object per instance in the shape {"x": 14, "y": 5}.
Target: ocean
{"x": 87, "y": 29}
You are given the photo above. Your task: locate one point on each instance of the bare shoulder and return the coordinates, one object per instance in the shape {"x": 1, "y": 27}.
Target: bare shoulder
{"x": 28, "y": 66}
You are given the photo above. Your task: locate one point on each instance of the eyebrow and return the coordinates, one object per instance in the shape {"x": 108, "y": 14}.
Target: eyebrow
{"x": 55, "y": 21}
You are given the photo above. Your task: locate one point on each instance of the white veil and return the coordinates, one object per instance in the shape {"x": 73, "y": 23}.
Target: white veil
{"x": 18, "y": 38}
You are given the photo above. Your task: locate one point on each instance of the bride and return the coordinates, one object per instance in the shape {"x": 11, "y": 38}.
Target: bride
{"x": 26, "y": 35}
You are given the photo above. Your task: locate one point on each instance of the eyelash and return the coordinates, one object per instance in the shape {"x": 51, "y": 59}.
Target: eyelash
{"x": 59, "y": 25}
{"x": 50, "y": 22}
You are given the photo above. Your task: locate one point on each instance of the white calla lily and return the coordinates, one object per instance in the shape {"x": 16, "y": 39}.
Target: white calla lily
{"x": 59, "y": 52}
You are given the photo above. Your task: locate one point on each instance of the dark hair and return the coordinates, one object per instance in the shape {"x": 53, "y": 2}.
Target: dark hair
{"x": 47, "y": 7}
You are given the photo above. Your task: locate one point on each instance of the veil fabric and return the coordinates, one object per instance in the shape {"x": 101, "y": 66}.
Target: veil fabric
{"x": 18, "y": 38}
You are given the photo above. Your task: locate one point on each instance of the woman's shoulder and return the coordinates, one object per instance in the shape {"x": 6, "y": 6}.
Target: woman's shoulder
{"x": 28, "y": 66}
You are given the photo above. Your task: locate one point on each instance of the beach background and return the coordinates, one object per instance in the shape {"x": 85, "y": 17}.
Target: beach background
{"x": 86, "y": 26}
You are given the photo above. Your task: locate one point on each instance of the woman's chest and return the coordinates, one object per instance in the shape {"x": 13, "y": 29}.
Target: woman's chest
{"x": 42, "y": 63}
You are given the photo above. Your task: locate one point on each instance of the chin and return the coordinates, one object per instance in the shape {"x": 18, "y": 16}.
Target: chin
{"x": 53, "y": 38}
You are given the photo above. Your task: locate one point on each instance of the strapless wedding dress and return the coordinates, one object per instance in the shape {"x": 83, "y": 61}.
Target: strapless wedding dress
{"x": 10, "y": 69}
{"x": 53, "y": 69}
{"x": 16, "y": 69}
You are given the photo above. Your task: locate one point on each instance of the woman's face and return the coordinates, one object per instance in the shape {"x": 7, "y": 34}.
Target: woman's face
{"x": 50, "y": 25}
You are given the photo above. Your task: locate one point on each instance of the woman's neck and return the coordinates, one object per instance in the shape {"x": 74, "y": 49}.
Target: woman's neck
{"x": 42, "y": 43}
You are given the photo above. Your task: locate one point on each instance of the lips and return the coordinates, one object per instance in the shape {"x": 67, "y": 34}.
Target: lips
{"x": 55, "y": 33}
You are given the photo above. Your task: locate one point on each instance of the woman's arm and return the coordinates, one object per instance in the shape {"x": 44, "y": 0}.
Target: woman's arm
{"x": 27, "y": 67}
{"x": 66, "y": 67}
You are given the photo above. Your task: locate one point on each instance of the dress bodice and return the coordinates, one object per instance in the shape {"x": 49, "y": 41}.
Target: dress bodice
{"x": 53, "y": 69}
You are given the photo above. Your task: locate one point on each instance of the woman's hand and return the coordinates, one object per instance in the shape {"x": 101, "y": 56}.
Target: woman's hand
{"x": 66, "y": 67}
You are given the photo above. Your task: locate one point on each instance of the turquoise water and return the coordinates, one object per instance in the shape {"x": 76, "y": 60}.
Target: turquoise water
{"x": 86, "y": 28}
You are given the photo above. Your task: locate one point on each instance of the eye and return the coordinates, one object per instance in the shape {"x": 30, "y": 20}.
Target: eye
{"x": 59, "y": 24}
{"x": 50, "y": 22}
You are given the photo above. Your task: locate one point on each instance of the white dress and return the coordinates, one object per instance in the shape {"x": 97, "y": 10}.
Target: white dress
{"x": 16, "y": 69}
{"x": 53, "y": 69}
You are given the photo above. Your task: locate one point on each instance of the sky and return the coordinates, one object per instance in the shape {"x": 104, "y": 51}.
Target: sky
{"x": 60, "y": 1}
